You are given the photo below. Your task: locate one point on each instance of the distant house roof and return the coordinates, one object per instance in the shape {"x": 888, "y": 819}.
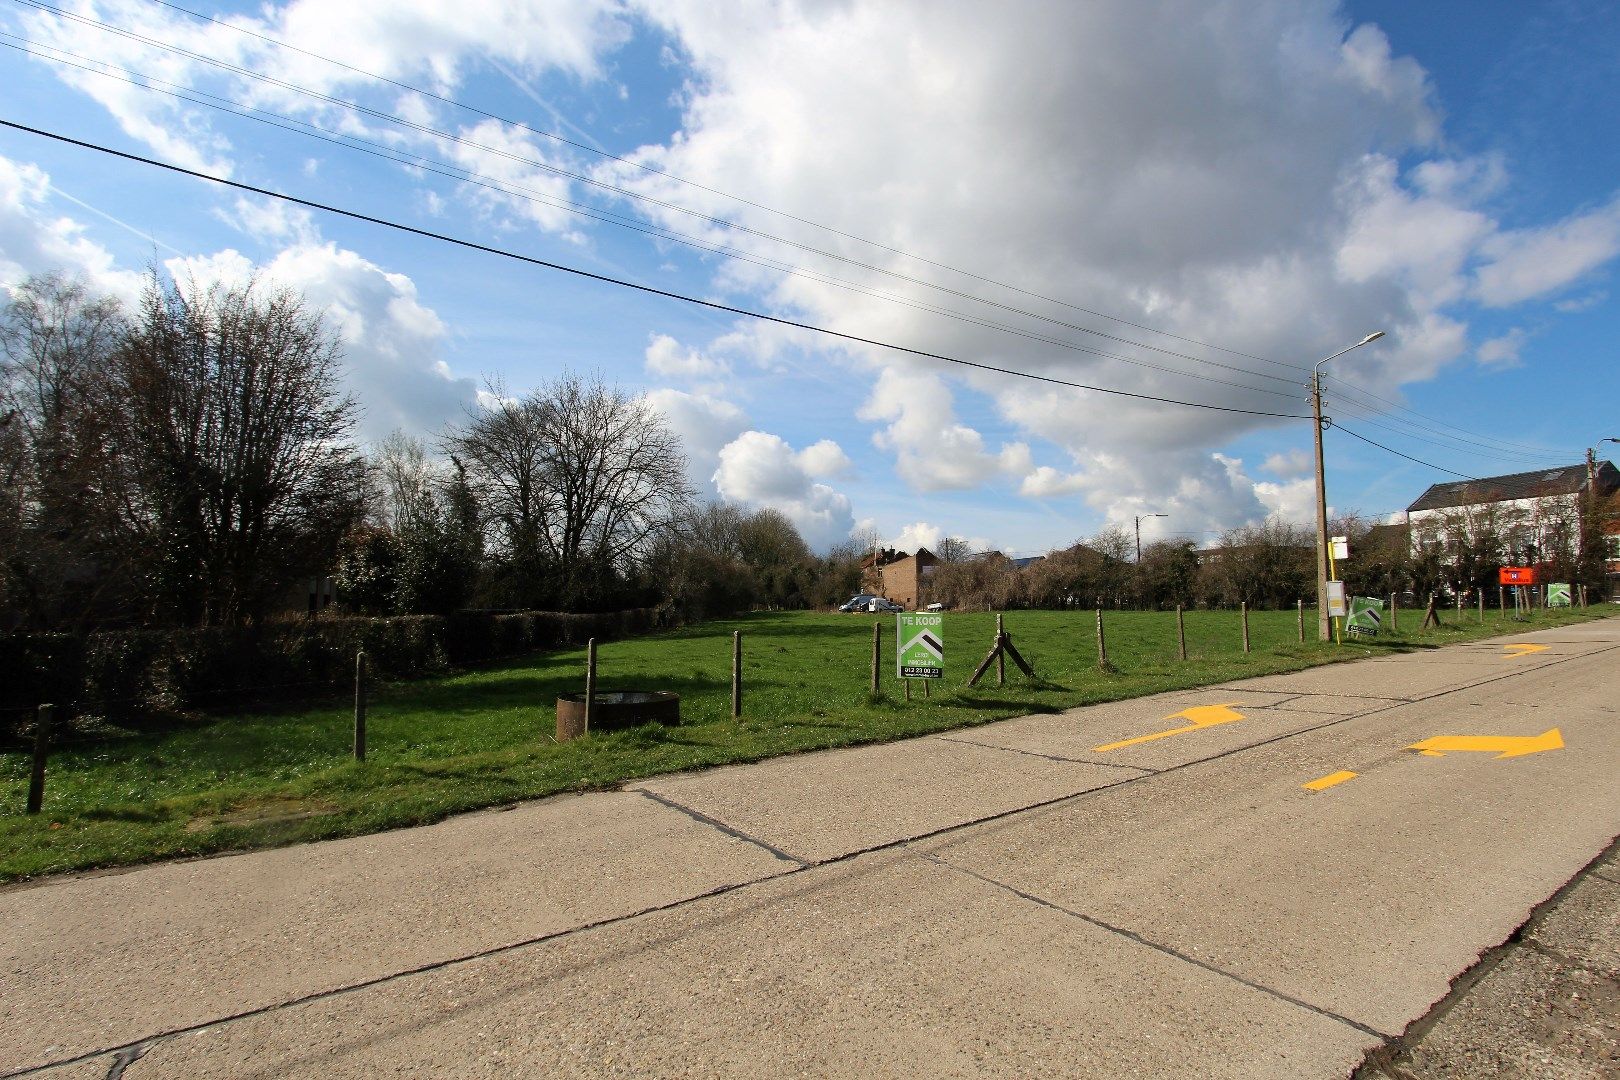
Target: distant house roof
{"x": 1565, "y": 480}
{"x": 1021, "y": 563}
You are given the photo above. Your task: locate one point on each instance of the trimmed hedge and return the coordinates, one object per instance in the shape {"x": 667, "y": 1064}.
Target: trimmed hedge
{"x": 135, "y": 677}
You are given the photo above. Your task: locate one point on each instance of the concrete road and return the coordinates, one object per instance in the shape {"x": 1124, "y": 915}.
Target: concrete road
{"x": 1269, "y": 878}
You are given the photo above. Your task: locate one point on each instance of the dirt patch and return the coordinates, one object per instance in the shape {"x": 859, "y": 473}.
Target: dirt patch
{"x": 268, "y": 811}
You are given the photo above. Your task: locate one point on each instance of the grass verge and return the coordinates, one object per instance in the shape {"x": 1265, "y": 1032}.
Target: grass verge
{"x": 481, "y": 739}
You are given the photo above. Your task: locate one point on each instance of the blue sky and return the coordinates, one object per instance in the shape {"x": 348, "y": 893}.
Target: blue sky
{"x": 1228, "y": 193}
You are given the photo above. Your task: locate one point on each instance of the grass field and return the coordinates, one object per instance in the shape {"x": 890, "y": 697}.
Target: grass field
{"x": 484, "y": 738}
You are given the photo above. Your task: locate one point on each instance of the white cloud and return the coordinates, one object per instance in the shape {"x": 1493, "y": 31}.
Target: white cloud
{"x": 1527, "y": 263}
{"x": 825, "y": 459}
{"x": 35, "y": 241}
{"x": 933, "y": 452}
{"x": 1290, "y": 463}
{"x": 919, "y": 534}
{"x": 391, "y": 341}
{"x": 1048, "y": 483}
{"x": 1502, "y": 352}
{"x": 272, "y": 221}
{"x": 705, "y": 424}
{"x": 668, "y": 359}
{"x": 762, "y": 470}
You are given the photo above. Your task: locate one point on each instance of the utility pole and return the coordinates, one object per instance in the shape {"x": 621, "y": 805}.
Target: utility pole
{"x": 1324, "y": 626}
{"x": 1139, "y": 518}
{"x": 1324, "y": 623}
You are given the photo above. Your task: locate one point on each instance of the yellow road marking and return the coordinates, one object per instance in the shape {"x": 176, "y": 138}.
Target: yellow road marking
{"x": 1202, "y": 716}
{"x": 1524, "y": 648}
{"x": 1503, "y": 746}
{"x": 1330, "y": 780}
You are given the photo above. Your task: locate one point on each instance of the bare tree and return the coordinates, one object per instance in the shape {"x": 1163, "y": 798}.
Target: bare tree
{"x": 55, "y": 339}
{"x": 581, "y": 479}
{"x": 233, "y": 465}
{"x": 408, "y": 479}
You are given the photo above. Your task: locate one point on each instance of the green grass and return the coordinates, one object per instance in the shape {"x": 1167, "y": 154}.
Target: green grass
{"x": 484, "y": 738}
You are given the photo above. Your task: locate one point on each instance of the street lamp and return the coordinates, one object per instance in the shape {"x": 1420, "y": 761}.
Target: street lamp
{"x": 1139, "y": 518}
{"x": 1324, "y": 624}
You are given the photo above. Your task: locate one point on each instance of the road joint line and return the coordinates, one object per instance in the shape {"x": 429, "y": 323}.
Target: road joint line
{"x": 1047, "y": 757}
{"x": 721, "y": 826}
{"x": 1131, "y": 935}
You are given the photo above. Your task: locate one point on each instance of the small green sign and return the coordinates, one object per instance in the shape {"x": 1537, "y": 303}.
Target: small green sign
{"x": 1558, "y": 594}
{"x": 1366, "y": 616}
{"x": 920, "y": 646}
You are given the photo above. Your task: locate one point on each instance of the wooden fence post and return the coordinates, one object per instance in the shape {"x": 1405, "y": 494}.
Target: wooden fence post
{"x": 1001, "y": 658}
{"x": 42, "y": 746}
{"x": 1394, "y": 615}
{"x": 1102, "y": 644}
{"x": 1181, "y": 633}
{"x": 736, "y": 674}
{"x": 1482, "y": 607}
{"x": 1245, "y": 610}
{"x": 1301, "y": 604}
{"x": 590, "y": 682}
{"x": 877, "y": 652}
{"x": 360, "y": 705}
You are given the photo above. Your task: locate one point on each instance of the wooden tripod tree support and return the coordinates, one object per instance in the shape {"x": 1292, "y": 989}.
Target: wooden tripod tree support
{"x": 1431, "y": 615}
{"x": 1003, "y": 647}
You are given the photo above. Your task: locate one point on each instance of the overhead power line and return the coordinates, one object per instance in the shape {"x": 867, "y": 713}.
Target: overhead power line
{"x": 1397, "y": 453}
{"x": 311, "y": 130}
{"x": 622, "y": 283}
{"x": 602, "y": 185}
{"x": 644, "y": 167}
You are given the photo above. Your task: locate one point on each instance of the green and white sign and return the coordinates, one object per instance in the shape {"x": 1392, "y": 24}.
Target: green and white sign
{"x": 1366, "y": 616}
{"x": 1558, "y": 594}
{"x": 920, "y": 640}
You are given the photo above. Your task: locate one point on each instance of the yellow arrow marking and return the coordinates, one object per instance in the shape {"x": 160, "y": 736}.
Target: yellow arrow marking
{"x": 1202, "y": 716}
{"x": 1517, "y": 649}
{"x": 1503, "y": 746}
{"x": 1323, "y": 783}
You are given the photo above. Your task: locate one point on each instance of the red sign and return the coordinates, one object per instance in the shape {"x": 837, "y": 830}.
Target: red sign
{"x": 1517, "y": 575}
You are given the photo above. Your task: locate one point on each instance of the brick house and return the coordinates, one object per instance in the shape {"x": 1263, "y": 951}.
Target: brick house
{"x": 899, "y": 577}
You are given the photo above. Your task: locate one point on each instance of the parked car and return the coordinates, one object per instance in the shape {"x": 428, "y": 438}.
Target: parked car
{"x": 935, "y": 607}
{"x": 857, "y": 602}
{"x": 879, "y": 604}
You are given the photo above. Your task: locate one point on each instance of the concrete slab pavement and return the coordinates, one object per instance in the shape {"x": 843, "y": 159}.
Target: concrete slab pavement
{"x": 822, "y": 806}
{"x": 886, "y": 965}
{"x": 1054, "y": 916}
{"x": 103, "y": 960}
{"x": 1363, "y": 899}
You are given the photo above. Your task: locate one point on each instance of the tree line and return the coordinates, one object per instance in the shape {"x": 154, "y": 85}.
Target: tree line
{"x": 193, "y": 461}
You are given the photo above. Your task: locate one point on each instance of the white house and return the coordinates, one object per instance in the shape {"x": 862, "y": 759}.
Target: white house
{"x": 1529, "y": 514}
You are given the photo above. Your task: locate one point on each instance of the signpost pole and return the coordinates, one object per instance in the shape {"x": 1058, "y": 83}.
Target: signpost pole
{"x": 1001, "y": 656}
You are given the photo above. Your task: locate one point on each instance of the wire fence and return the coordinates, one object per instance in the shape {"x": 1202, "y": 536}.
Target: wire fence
{"x": 80, "y": 727}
